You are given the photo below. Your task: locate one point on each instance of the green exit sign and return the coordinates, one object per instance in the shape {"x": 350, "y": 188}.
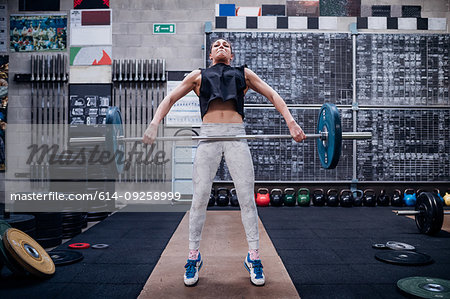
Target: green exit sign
{"x": 164, "y": 28}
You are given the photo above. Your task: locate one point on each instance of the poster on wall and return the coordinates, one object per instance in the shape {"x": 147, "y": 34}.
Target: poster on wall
{"x": 90, "y": 4}
{"x": 38, "y": 33}
{"x": 97, "y": 55}
{"x": 4, "y": 69}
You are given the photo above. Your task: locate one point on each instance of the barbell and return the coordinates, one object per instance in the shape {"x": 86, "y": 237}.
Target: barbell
{"x": 328, "y": 134}
{"x": 429, "y": 213}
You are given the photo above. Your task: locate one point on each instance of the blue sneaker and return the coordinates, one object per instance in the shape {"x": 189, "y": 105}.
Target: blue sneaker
{"x": 255, "y": 268}
{"x": 192, "y": 268}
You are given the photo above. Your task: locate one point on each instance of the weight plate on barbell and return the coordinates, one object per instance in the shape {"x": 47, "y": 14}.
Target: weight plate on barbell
{"x": 114, "y": 129}
{"x": 329, "y": 149}
{"x": 431, "y": 218}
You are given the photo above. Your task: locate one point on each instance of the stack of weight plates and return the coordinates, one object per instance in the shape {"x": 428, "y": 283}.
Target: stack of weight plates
{"x": 72, "y": 224}
{"x": 24, "y": 222}
{"x": 48, "y": 229}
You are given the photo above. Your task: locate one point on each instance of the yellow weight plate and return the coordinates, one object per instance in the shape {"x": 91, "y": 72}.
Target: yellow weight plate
{"x": 28, "y": 253}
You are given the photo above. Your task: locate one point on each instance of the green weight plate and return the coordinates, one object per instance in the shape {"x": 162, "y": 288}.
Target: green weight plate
{"x": 431, "y": 218}
{"x": 5, "y": 258}
{"x": 425, "y": 287}
{"x": 329, "y": 150}
{"x": 114, "y": 129}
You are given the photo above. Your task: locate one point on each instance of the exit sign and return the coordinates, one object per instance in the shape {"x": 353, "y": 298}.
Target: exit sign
{"x": 163, "y": 28}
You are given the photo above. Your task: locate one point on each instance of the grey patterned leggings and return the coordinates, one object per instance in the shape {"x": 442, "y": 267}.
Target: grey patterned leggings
{"x": 240, "y": 164}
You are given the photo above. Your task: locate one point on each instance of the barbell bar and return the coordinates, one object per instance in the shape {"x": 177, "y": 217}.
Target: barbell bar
{"x": 413, "y": 213}
{"x": 328, "y": 134}
{"x": 322, "y": 136}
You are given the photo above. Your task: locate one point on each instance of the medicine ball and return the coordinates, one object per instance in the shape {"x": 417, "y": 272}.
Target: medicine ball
{"x": 397, "y": 200}
{"x": 289, "y": 197}
{"x": 332, "y": 198}
{"x": 369, "y": 199}
{"x": 276, "y": 197}
{"x": 383, "y": 199}
{"x": 303, "y": 198}
{"x": 262, "y": 197}
{"x": 358, "y": 198}
{"x": 346, "y": 198}
{"x": 318, "y": 198}
{"x": 212, "y": 198}
{"x": 234, "y": 199}
{"x": 223, "y": 198}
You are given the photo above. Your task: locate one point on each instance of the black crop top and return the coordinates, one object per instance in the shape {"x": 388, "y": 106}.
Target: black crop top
{"x": 224, "y": 82}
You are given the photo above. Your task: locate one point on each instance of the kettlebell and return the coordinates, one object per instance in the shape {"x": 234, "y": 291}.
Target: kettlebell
{"x": 212, "y": 198}
{"x": 409, "y": 198}
{"x": 383, "y": 199}
{"x": 346, "y": 198}
{"x": 369, "y": 199}
{"x": 276, "y": 197}
{"x": 262, "y": 197}
{"x": 438, "y": 193}
{"x": 397, "y": 200}
{"x": 223, "y": 198}
{"x": 303, "y": 197}
{"x": 447, "y": 199}
{"x": 332, "y": 198}
{"x": 419, "y": 191}
{"x": 234, "y": 199}
{"x": 289, "y": 197}
{"x": 318, "y": 198}
{"x": 358, "y": 197}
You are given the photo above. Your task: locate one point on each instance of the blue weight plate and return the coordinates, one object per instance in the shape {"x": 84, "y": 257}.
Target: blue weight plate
{"x": 114, "y": 129}
{"x": 329, "y": 150}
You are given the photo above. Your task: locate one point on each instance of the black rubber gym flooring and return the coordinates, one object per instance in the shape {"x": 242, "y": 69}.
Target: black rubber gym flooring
{"x": 327, "y": 252}
{"x": 136, "y": 242}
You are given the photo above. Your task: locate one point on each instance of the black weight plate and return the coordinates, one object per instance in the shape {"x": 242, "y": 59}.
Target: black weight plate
{"x": 50, "y": 242}
{"x": 403, "y": 257}
{"x": 49, "y": 233}
{"x": 71, "y": 235}
{"x": 431, "y": 218}
{"x": 425, "y": 287}
{"x": 50, "y": 217}
{"x": 7, "y": 260}
{"x": 65, "y": 257}
{"x": 379, "y": 246}
{"x": 20, "y": 221}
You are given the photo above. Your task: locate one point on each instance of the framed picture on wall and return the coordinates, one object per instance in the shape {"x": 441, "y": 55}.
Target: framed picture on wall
{"x": 38, "y": 33}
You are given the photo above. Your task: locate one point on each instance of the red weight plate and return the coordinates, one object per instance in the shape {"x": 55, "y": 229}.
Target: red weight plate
{"x": 79, "y": 245}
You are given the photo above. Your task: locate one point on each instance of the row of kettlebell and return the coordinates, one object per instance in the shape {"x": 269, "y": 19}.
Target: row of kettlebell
{"x": 318, "y": 197}
{"x": 344, "y": 198}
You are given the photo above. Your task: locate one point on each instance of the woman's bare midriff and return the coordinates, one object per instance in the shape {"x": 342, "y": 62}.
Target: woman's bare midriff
{"x": 222, "y": 112}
